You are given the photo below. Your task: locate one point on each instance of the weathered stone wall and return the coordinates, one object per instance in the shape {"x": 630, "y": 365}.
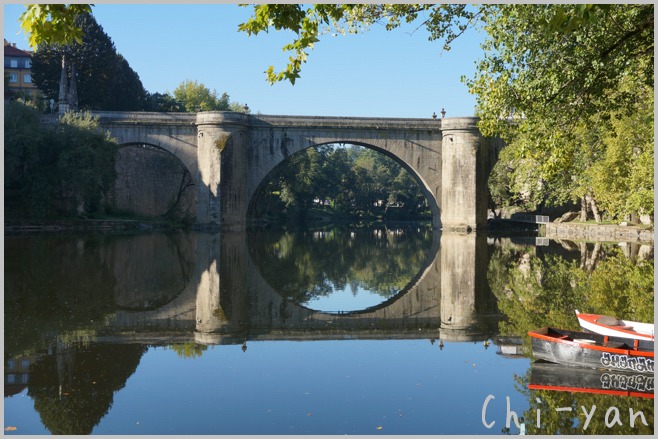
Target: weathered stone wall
{"x": 414, "y": 143}
{"x": 597, "y": 232}
{"x": 151, "y": 182}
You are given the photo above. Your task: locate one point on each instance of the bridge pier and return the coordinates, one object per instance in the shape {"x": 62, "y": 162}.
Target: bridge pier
{"x": 221, "y": 147}
{"x": 464, "y": 168}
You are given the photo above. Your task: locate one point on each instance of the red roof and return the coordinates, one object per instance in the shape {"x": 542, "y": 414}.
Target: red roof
{"x": 13, "y": 51}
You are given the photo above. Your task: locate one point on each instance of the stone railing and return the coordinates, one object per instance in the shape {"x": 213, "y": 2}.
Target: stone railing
{"x": 598, "y": 232}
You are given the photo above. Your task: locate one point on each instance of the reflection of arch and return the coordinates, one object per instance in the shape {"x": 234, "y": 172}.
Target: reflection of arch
{"x": 261, "y": 178}
{"x": 416, "y": 304}
{"x": 152, "y": 181}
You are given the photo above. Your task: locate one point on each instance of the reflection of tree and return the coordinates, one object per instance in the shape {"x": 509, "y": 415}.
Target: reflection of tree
{"x": 535, "y": 291}
{"x": 53, "y": 284}
{"x": 573, "y": 422}
{"x": 305, "y": 265}
{"x": 188, "y": 350}
{"x": 58, "y": 284}
{"x": 73, "y": 389}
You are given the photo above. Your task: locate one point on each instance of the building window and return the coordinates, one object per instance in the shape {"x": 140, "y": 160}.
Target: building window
{"x": 28, "y": 63}
{"x": 27, "y": 78}
{"x": 13, "y": 77}
{"x": 13, "y": 63}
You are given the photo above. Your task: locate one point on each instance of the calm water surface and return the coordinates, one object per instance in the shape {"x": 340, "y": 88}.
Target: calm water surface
{"x": 373, "y": 330}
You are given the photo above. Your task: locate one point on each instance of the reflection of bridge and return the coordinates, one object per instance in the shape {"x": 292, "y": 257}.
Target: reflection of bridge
{"x": 227, "y": 299}
{"x": 229, "y": 155}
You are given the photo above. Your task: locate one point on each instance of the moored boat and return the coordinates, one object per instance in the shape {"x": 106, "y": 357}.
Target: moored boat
{"x": 556, "y": 377}
{"x": 584, "y": 349}
{"x": 607, "y": 325}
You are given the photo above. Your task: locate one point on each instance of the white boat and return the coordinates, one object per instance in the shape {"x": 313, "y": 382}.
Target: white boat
{"x": 611, "y": 326}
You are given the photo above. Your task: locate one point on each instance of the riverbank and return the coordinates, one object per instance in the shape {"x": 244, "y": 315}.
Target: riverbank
{"x": 570, "y": 231}
{"x": 597, "y": 232}
{"x": 85, "y": 225}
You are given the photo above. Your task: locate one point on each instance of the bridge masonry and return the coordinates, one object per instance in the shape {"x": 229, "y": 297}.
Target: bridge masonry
{"x": 230, "y": 154}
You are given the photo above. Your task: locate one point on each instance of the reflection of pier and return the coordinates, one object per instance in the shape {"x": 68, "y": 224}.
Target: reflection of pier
{"x": 227, "y": 300}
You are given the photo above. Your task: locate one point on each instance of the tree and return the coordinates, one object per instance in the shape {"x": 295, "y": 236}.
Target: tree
{"x": 550, "y": 82}
{"x": 65, "y": 169}
{"x": 105, "y": 80}
{"x": 162, "y": 102}
{"x": 195, "y": 97}
{"x": 53, "y": 24}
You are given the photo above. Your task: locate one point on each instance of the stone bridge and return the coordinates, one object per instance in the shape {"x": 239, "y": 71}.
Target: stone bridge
{"x": 227, "y": 155}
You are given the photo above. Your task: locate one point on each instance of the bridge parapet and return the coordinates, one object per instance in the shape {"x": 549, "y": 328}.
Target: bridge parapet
{"x": 144, "y": 118}
{"x": 369, "y": 123}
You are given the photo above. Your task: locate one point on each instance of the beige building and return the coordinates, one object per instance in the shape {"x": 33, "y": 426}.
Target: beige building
{"x": 18, "y": 72}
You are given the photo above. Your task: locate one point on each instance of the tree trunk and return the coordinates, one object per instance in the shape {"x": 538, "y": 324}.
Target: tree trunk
{"x": 595, "y": 209}
{"x": 583, "y": 209}
{"x": 634, "y": 218}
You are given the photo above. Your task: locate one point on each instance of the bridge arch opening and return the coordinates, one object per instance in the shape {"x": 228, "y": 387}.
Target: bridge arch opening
{"x": 339, "y": 180}
{"x": 366, "y": 232}
{"x": 151, "y": 182}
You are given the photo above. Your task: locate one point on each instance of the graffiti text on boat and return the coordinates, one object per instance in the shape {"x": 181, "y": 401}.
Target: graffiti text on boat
{"x": 640, "y": 383}
{"x": 622, "y": 361}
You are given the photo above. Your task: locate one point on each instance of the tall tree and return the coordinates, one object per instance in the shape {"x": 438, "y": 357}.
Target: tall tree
{"x": 195, "y": 96}
{"x": 550, "y": 73}
{"x": 105, "y": 81}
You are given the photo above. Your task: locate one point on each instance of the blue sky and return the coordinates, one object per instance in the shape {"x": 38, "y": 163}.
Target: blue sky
{"x": 376, "y": 74}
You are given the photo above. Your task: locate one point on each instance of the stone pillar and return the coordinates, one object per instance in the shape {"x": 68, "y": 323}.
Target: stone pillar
{"x": 221, "y": 180}
{"x": 463, "y": 285}
{"x": 464, "y": 176}
{"x": 62, "y": 102}
{"x": 72, "y": 96}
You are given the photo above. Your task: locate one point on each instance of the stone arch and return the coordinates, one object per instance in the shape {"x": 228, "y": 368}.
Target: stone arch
{"x": 288, "y": 149}
{"x": 152, "y": 182}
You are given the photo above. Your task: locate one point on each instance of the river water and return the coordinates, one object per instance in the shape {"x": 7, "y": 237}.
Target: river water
{"x": 390, "y": 330}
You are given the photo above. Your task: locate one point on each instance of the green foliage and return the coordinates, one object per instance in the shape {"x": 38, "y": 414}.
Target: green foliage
{"x": 105, "y": 81}
{"x": 562, "y": 74}
{"x": 195, "y": 96}
{"x": 53, "y": 24}
{"x": 349, "y": 182}
{"x": 162, "y": 102}
{"x": 63, "y": 169}
{"x": 623, "y": 177}
{"x": 442, "y": 22}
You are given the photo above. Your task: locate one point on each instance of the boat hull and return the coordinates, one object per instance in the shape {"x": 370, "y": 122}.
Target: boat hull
{"x": 625, "y": 328}
{"x": 571, "y": 348}
{"x": 556, "y": 377}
